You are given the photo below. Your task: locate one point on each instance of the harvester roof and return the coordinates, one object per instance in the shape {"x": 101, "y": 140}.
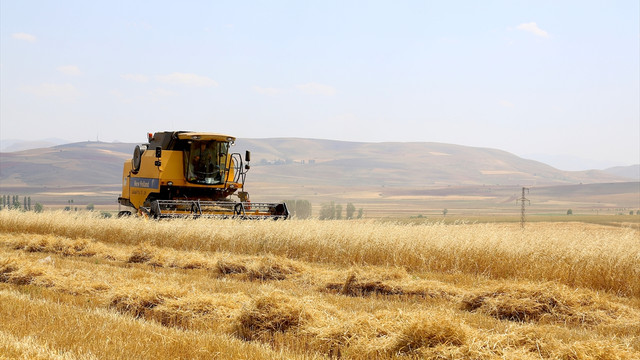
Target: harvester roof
{"x": 167, "y": 140}
{"x": 204, "y": 136}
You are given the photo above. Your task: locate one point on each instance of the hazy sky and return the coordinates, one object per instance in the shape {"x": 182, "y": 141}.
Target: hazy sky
{"x": 528, "y": 77}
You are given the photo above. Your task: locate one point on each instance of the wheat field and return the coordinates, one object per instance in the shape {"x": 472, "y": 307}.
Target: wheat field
{"x": 77, "y": 286}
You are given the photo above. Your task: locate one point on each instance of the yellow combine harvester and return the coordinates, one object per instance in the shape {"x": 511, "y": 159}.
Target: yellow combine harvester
{"x": 190, "y": 174}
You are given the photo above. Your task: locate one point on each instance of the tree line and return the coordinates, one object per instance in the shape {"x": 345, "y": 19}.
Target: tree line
{"x": 301, "y": 209}
{"x": 331, "y": 211}
{"x": 13, "y": 202}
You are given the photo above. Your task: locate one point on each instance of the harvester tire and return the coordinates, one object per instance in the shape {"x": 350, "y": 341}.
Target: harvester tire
{"x": 137, "y": 156}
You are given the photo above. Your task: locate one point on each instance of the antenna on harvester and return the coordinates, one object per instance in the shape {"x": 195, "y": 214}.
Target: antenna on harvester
{"x": 523, "y": 200}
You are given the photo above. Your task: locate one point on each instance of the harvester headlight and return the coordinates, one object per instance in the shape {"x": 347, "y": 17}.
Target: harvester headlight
{"x": 170, "y": 183}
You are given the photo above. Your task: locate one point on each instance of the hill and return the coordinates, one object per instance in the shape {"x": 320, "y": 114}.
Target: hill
{"x": 10, "y": 145}
{"x": 380, "y": 176}
{"x": 313, "y": 161}
{"x": 631, "y": 172}
{"x": 308, "y": 161}
{"x": 76, "y": 164}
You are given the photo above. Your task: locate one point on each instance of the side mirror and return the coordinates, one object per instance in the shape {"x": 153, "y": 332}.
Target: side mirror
{"x": 247, "y": 156}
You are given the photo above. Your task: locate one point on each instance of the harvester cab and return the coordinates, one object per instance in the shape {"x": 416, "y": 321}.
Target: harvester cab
{"x": 190, "y": 174}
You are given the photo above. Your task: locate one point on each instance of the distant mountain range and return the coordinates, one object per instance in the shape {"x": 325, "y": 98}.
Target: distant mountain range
{"x": 630, "y": 172}
{"x": 408, "y": 164}
{"x": 561, "y": 162}
{"x": 313, "y": 162}
{"x": 402, "y": 179}
{"x": 11, "y": 145}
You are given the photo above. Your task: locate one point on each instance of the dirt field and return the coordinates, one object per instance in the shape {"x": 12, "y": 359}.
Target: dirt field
{"x": 394, "y": 202}
{"x": 77, "y": 286}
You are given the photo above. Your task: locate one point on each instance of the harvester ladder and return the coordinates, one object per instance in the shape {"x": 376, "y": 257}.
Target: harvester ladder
{"x": 196, "y": 208}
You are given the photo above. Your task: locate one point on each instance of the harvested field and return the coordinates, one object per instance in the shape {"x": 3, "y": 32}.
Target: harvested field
{"x": 76, "y": 286}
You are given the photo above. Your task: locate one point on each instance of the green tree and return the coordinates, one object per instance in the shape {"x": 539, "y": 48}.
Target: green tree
{"x": 16, "y": 202}
{"x": 38, "y": 207}
{"x": 24, "y": 200}
{"x": 91, "y": 207}
{"x": 569, "y": 212}
{"x": 327, "y": 211}
{"x": 351, "y": 209}
{"x": 29, "y": 203}
{"x": 338, "y": 212}
{"x": 303, "y": 209}
{"x": 360, "y": 213}
{"x": 445, "y": 212}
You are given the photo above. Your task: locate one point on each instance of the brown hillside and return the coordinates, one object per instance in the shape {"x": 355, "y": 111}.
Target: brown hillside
{"x": 307, "y": 161}
{"x": 323, "y": 162}
{"x": 86, "y": 163}
{"x": 383, "y": 177}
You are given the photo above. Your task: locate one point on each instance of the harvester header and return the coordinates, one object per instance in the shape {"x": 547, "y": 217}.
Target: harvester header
{"x": 190, "y": 174}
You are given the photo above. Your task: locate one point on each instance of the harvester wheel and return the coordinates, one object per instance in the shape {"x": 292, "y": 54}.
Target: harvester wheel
{"x": 137, "y": 157}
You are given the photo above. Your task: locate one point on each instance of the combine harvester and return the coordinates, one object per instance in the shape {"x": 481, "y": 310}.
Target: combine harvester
{"x": 190, "y": 174}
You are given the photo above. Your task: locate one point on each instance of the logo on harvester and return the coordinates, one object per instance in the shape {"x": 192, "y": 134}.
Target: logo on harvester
{"x": 147, "y": 183}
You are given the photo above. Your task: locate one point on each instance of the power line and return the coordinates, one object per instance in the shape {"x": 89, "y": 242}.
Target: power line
{"x": 523, "y": 201}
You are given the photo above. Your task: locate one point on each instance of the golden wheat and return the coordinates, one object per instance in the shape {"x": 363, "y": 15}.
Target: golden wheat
{"x": 594, "y": 256}
{"x": 312, "y": 289}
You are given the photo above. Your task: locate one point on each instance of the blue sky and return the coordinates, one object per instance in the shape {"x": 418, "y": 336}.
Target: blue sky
{"x": 542, "y": 79}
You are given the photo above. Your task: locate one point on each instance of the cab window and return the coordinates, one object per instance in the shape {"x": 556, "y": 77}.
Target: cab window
{"x": 206, "y": 162}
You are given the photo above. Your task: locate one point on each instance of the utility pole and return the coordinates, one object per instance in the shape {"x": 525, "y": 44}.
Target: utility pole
{"x": 523, "y": 200}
